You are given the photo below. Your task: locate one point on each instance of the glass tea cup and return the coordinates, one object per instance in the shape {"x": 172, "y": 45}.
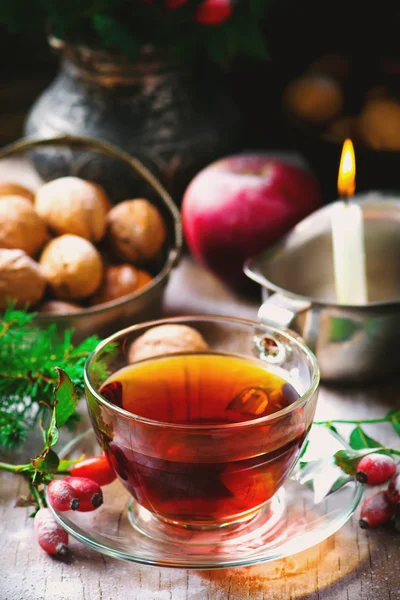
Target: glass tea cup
{"x": 203, "y": 470}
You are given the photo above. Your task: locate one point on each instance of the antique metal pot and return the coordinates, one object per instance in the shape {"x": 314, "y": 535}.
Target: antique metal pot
{"x": 175, "y": 119}
{"x": 352, "y": 343}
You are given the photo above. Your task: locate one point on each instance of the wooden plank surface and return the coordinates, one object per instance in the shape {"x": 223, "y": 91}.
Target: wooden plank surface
{"x": 351, "y": 565}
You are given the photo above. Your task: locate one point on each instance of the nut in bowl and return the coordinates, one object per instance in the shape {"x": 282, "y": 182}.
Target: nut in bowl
{"x": 96, "y": 261}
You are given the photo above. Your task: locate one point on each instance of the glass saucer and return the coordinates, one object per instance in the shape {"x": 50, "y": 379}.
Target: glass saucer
{"x": 313, "y": 504}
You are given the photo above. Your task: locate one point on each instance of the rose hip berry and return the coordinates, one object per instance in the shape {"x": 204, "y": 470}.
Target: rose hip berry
{"x": 50, "y": 535}
{"x": 375, "y": 469}
{"x": 394, "y": 489}
{"x": 62, "y": 496}
{"x": 213, "y": 12}
{"x": 88, "y": 491}
{"x": 95, "y": 467}
{"x": 376, "y": 510}
{"x": 173, "y": 4}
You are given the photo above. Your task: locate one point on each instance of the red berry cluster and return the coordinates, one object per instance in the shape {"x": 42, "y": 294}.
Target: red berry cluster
{"x": 381, "y": 507}
{"x": 80, "y": 491}
{"x": 208, "y": 12}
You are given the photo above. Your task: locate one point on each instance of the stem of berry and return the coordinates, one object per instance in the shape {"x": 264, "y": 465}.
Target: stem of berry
{"x": 40, "y": 500}
{"x": 350, "y": 422}
{"x": 14, "y": 468}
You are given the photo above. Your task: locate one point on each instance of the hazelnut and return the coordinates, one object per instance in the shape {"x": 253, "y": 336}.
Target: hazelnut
{"x": 166, "y": 339}
{"x": 136, "y": 230}
{"x": 58, "y": 307}
{"x": 143, "y": 279}
{"x": 14, "y": 189}
{"x": 20, "y": 226}
{"x": 73, "y": 205}
{"x": 119, "y": 280}
{"x": 21, "y": 279}
{"x": 72, "y": 266}
{"x": 379, "y": 124}
{"x": 314, "y": 99}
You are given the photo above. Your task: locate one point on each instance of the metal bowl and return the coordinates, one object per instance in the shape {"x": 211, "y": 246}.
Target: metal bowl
{"x": 82, "y": 152}
{"x": 353, "y": 343}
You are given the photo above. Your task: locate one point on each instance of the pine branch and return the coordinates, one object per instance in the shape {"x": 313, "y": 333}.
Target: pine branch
{"x": 28, "y": 357}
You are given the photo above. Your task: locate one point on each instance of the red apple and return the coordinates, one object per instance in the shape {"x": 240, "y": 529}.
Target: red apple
{"x": 241, "y": 205}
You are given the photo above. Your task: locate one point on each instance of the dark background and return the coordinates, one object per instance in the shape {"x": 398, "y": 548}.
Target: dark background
{"x": 296, "y": 32}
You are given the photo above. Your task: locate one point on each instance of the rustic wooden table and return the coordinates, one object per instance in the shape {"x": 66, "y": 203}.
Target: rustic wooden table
{"x": 352, "y": 565}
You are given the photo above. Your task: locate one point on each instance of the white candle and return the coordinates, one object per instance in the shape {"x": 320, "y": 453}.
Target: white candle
{"x": 349, "y": 253}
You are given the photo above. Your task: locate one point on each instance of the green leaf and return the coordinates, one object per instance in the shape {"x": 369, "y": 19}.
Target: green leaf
{"x": 359, "y": 439}
{"x": 65, "y": 398}
{"x": 116, "y": 34}
{"x": 339, "y": 483}
{"x": 258, "y": 7}
{"x": 46, "y": 462}
{"x": 394, "y": 416}
{"x": 347, "y": 459}
{"x": 304, "y": 448}
{"x": 332, "y": 427}
{"x": 249, "y": 39}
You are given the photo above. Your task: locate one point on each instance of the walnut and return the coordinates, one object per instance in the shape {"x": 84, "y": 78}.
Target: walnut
{"x": 166, "y": 339}
{"x": 21, "y": 279}
{"x": 136, "y": 230}
{"x": 314, "y": 99}
{"x": 72, "y": 266}
{"x": 379, "y": 124}
{"x": 20, "y": 226}
{"x": 119, "y": 280}
{"x": 58, "y": 307}
{"x": 73, "y": 205}
{"x": 14, "y": 189}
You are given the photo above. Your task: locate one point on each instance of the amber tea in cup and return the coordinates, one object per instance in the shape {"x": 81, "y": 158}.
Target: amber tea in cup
{"x": 204, "y": 439}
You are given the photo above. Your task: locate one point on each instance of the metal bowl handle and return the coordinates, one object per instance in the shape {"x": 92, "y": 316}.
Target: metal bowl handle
{"x": 279, "y": 311}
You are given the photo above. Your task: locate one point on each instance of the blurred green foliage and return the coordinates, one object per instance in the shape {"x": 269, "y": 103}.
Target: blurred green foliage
{"x": 128, "y": 25}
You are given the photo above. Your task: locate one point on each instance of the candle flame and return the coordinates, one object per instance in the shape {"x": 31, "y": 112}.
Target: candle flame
{"x": 347, "y": 171}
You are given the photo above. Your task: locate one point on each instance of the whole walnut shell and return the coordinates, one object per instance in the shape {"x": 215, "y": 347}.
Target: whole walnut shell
{"x": 136, "y": 230}
{"x": 7, "y": 188}
{"x": 21, "y": 279}
{"x": 72, "y": 266}
{"x": 166, "y": 339}
{"x": 58, "y": 307}
{"x": 119, "y": 280}
{"x": 20, "y": 226}
{"x": 73, "y": 205}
